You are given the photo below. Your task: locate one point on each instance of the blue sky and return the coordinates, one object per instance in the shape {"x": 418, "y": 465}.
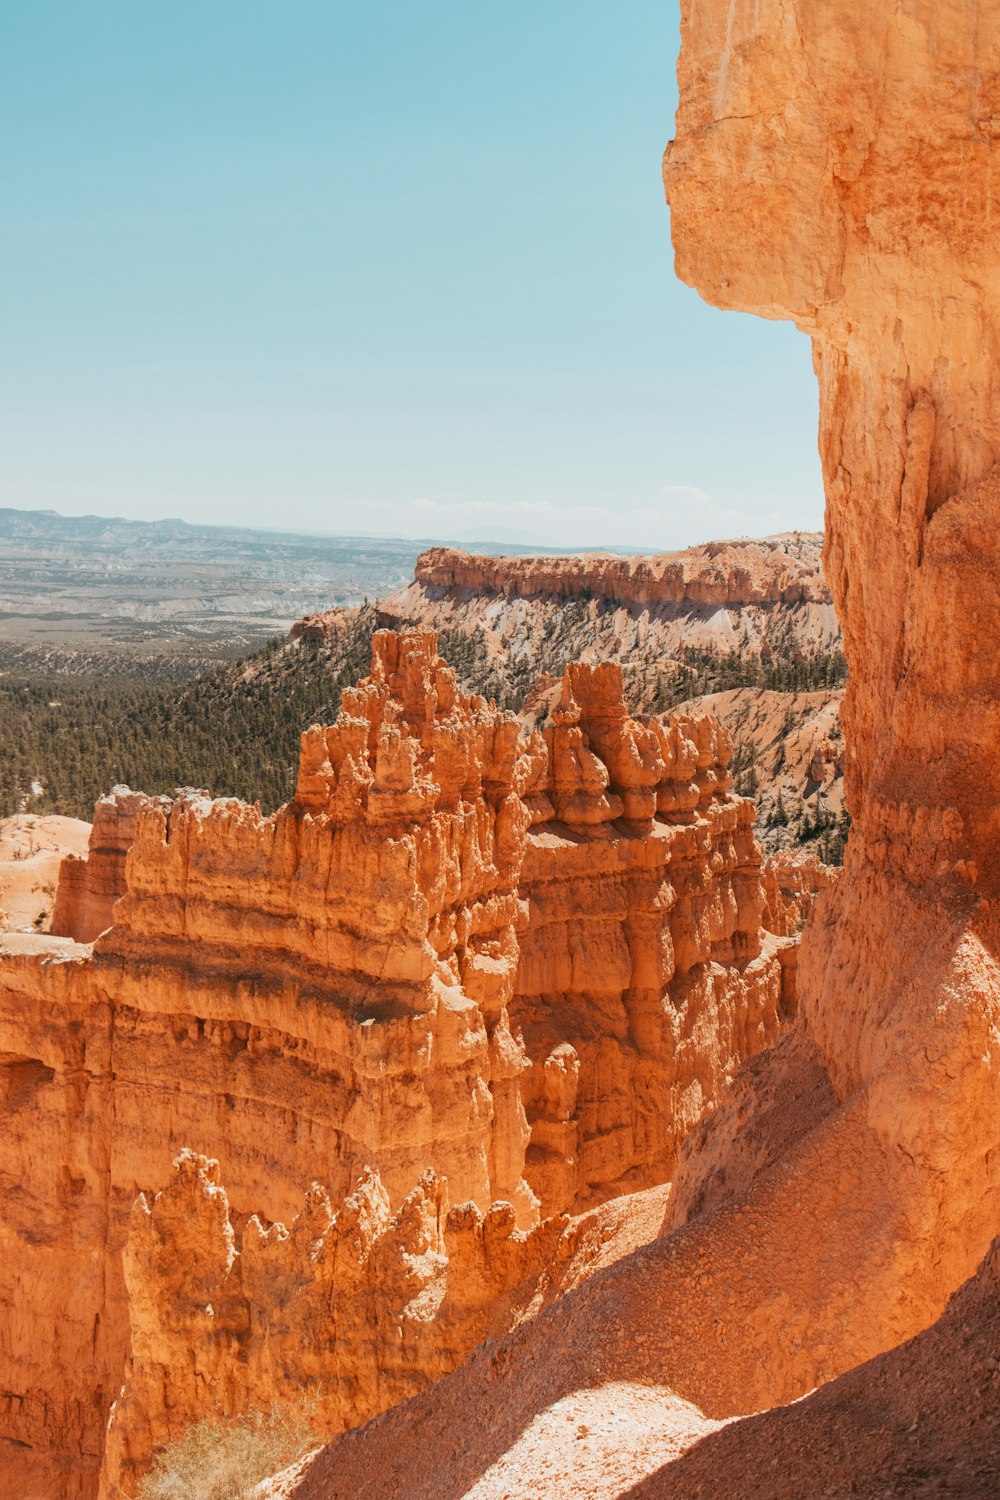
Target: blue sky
{"x": 393, "y": 267}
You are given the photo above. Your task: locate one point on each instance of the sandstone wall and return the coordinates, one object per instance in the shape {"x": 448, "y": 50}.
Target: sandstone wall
{"x": 756, "y": 597}
{"x": 836, "y": 165}
{"x": 792, "y": 880}
{"x": 641, "y": 980}
{"x": 89, "y": 887}
{"x": 331, "y": 992}
{"x": 348, "y": 1310}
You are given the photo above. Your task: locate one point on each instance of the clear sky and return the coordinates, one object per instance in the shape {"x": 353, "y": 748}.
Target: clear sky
{"x": 388, "y": 267}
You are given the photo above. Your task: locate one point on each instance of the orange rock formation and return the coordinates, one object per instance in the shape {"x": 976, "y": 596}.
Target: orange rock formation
{"x": 878, "y": 134}
{"x": 835, "y": 165}
{"x": 641, "y": 977}
{"x": 769, "y": 571}
{"x": 353, "y": 1305}
{"x": 795, "y": 746}
{"x": 32, "y": 854}
{"x": 89, "y": 885}
{"x": 792, "y": 881}
{"x": 524, "y": 963}
{"x": 721, "y": 597}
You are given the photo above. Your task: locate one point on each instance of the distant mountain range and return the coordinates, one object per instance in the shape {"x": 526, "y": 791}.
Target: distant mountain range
{"x": 78, "y": 582}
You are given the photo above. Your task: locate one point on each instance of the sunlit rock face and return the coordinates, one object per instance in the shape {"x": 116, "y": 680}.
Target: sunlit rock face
{"x": 525, "y": 961}
{"x": 348, "y": 1309}
{"x": 642, "y": 977}
{"x": 89, "y": 886}
{"x": 837, "y": 165}
{"x": 774, "y": 570}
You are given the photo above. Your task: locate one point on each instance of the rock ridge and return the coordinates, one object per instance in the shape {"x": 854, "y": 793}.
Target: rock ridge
{"x": 525, "y": 961}
{"x": 780, "y": 569}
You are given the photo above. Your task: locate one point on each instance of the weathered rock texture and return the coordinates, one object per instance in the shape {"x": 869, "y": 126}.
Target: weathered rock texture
{"x": 642, "y": 942}
{"x": 461, "y": 949}
{"x": 792, "y": 882}
{"x": 753, "y": 596}
{"x": 789, "y": 752}
{"x": 837, "y": 165}
{"x": 351, "y": 1308}
{"x": 775, "y": 570}
{"x": 32, "y": 853}
{"x": 585, "y": 1409}
{"x": 89, "y": 885}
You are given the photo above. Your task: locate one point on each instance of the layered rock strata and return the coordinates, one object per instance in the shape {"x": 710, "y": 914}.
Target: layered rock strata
{"x": 641, "y": 978}
{"x": 790, "y": 749}
{"x": 792, "y": 882}
{"x": 773, "y": 570}
{"x": 760, "y": 598}
{"x": 90, "y": 884}
{"x": 331, "y": 992}
{"x": 837, "y": 166}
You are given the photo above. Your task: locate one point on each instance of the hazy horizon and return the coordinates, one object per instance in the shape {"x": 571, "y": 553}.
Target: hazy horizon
{"x": 392, "y": 272}
{"x": 484, "y": 538}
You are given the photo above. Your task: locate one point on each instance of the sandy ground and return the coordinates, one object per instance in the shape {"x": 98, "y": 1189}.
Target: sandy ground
{"x": 920, "y": 1421}
{"x": 31, "y": 850}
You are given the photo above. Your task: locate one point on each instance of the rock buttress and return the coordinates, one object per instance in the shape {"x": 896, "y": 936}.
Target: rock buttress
{"x": 837, "y": 165}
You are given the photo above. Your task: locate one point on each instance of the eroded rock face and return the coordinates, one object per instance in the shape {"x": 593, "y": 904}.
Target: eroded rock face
{"x": 381, "y": 904}
{"x": 755, "y": 597}
{"x": 351, "y": 1308}
{"x": 836, "y": 165}
{"x": 641, "y": 978}
{"x": 356, "y": 985}
{"x": 792, "y": 880}
{"x": 32, "y": 852}
{"x": 769, "y": 571}
{"x": 90, "y": 885}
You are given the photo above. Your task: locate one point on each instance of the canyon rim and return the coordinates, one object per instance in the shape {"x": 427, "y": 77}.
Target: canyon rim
{"x": 488, "y": 1092}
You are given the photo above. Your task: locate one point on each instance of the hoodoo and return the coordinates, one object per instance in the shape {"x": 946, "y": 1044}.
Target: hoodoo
{"x": 473, "y": 976}
{"x": 835, "y": 165}
{"x": 478, "y": 980}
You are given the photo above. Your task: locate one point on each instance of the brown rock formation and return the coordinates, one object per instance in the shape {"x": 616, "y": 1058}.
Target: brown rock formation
{"x": 353, "y": 1306}
{"x": 937, "y": 1430}
{"x": 792, "y": 880}
{"x": 331, "y": 990}
{"x": 788, "y": 750}
{"x": 921, "y": 1420}
{"x": 641, "y": 980}
{"x": 320, "y": 626}
{"x": 90, "y": 885}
